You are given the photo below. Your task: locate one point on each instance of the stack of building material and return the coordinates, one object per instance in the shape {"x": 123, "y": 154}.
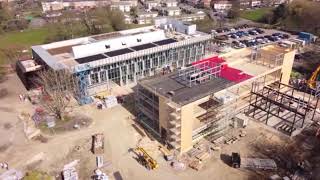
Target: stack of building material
{"x": 256, "y": 163}
{"x": 178, "y": 165}
{"x": 70, "y": 174}
{"x": 34, "y": 96}
{"x": 98, "y": 143}
{"x": 203, "y": 156}
{"x": 99, "y": 175}
{"x": 111, "y": 101}
{"x": 196, "y": 164}
{"x": 29, "y": 127}
{"x": 69, "y": 171}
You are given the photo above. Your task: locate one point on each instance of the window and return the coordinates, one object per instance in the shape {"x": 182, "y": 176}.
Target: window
{"x": 147, "y": 64}
{"x": 103, "y": 76}
{"x": 94, "y": 78}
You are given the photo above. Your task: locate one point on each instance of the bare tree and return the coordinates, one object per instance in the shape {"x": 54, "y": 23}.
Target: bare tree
{"x": 58, "y": 88}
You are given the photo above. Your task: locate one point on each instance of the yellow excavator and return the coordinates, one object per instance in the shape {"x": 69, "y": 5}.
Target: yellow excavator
{"x": 145, "y": 159}
{"x": 312, "y": 81}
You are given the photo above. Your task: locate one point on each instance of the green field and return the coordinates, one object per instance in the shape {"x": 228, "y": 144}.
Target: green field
{"x": 254, "y": 15}
{"x": 24, "y": 38}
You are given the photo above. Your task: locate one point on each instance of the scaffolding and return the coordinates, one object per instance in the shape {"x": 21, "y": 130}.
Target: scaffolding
{"x": 293, "y": 107}
{"x": 199, "y": 73}
{"x": 216, "y": 118}
{"x": 267, "y": 58}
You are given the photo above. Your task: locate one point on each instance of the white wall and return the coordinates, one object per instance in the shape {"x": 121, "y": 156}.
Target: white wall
{"x": 117, "y": 43}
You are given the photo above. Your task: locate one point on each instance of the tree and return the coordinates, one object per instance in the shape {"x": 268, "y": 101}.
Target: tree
{"x": 234, "y": 12}
{"x": 58, "y": 88}
{"x": 12, "y": 53}
{"x": 134, "y": 11}
{"x": 279, "y": 13}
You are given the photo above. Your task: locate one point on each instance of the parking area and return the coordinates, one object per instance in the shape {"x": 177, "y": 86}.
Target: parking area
{"x": 246, "y": 36}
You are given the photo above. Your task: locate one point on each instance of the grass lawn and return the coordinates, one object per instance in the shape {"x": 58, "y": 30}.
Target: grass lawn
{"x": 25, "y": 38}
{"x": 254, "y": 15}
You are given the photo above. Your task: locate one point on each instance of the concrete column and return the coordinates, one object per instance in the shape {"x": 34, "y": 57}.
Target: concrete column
{"x": 135, "y": 72}
{"x": 107, "y": 76}
{"x": 99, "y": 79}
{"x": 89, "y": 78}
{"x": 127, "y": 69}
{"x": 120, "y": 70}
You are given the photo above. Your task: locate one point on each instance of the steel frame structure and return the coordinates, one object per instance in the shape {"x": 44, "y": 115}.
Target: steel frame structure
{"x": 199, "y": 73}
{"x": 277, "y": 98}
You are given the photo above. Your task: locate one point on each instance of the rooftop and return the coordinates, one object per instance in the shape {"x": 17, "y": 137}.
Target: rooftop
{"x": 70, "y": 53}
{"x": 230, "y": 69}
{"x": 182, "y": 94}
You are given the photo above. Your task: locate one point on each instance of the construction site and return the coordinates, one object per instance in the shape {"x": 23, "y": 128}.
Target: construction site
{"x": 157, "y": 103}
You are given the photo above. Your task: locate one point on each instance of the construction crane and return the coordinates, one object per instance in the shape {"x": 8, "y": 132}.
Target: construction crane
{"x": 145, "y": 159}
{"x": 314, "y": 78}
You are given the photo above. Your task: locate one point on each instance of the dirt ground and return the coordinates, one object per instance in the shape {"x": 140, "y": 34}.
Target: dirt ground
{"x": 120, "y": 137}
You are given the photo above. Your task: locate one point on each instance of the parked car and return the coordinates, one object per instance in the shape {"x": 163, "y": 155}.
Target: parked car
{"x": 222, "y": 38}
{"x": 285, "y": 36}
{"x": 245, "y": 25}
{"x": 273, "y": 38}
{"x": 253, "y": 32}
{"x": 226, "y": 29}
{"x": 219, "y": 30}
{"x": 259, "y": 31}
{"x": 234, "y": 36}
{"x": 276, "y": 34}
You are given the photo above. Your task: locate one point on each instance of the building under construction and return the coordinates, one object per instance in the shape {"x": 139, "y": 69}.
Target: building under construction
{"x": 184, "y": 106}
{"x": 125, "y": 56}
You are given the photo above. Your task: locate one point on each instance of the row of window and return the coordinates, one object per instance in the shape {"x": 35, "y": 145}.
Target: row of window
{"x": 145, "y": 63}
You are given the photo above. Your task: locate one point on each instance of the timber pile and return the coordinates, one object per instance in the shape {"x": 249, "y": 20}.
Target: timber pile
{"x": 196, "y": 165}
{"x": 200, "y": 153}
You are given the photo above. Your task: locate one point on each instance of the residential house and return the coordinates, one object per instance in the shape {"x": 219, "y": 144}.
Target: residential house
{"x": 245, "y": 4}
{"x": 124, "y": 6}
{"x": 144, "y": 20}
{"x": 222, "y": 5}
{"x": 56, "y": 5}
{"x": 170, "y": 3}
{"x": 151, "y": 4}
{"x": 172, "y": 11}
{"x": 206, "y": 3}
{"x": 192, "y": 17}
{"x": 256, "y": 3}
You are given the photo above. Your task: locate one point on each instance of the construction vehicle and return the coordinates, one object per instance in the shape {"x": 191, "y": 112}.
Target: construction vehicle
{"x": 312, "y": 82}
{"x": 145, "y": 159}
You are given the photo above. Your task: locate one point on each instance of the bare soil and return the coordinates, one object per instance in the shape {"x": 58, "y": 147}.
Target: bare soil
{"x": 120, "y": 137}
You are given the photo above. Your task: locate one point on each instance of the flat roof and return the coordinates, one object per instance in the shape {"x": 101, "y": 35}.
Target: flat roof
{"x": 183, "y": 94}
{"x": 102, "y": 47}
